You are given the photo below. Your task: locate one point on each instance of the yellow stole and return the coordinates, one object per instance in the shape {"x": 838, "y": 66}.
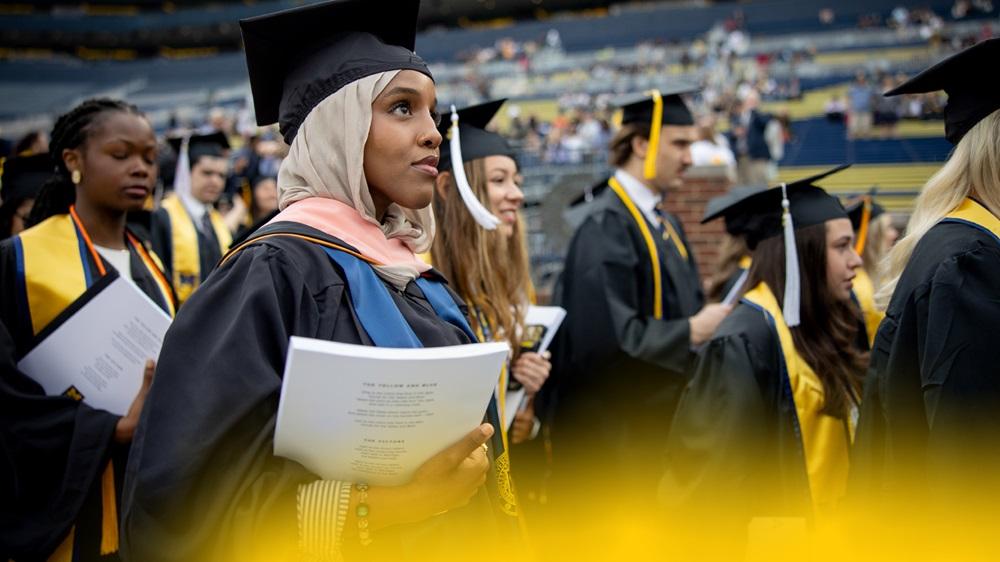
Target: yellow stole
{"x": 186, "y": 261}
{"x": 669, "y": 233}
{"x": 972, "y": 212}
{"x": 54, "y": 271}
{"x": 826, "y": 440}
{"x": 864, "y": 290}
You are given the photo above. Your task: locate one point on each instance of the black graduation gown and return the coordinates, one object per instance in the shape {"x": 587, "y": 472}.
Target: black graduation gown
{"x": 619, "y": 371}
{"x": 163, "y": 243}
{"x": 734, "y": 452}
{"x": 202, "y": 481}
{"x": 930, "y": 417}
{"x": 53, "y": 449}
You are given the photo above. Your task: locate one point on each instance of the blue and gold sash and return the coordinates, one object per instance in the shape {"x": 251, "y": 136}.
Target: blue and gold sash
{"x": 56, "y": 263}
{"x": 826, "y": 440}
{"x": 185, "y": 257}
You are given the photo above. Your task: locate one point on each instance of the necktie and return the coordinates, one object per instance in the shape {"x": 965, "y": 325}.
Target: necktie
{"x": 667, "y": 230}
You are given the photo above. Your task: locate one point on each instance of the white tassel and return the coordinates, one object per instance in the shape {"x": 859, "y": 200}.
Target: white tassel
{"x": 481, "y": 215}
{"x": 182, "y": 175}
{"x": 790, "y": 308}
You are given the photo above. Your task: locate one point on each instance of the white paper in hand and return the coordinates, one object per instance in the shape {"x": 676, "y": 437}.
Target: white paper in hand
{"x": 372, "y": 414}
{"x": 99, "y": 353}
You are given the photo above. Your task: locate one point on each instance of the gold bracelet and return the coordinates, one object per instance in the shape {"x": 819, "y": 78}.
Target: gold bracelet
{"x": 361, "y": 512}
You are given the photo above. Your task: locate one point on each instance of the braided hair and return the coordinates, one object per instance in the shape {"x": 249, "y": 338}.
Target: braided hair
{"x": 70, "y": 131}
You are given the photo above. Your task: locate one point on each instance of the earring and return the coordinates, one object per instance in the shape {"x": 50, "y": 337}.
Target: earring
{"x": 76, "y": 177}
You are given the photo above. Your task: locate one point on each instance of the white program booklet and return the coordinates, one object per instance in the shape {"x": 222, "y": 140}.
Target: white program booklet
{"x": 373, "y": 414}
{"x": 98, "y": 353}
{"x": 540, "y": 326}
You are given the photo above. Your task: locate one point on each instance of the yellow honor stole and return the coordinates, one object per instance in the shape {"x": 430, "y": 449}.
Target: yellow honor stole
{"x": 186, "y": 260}
{"x": 826, "y": 440}
{"x": 973, "y": 213}
{"x": 864, "y": 290}
{"x": 53, "y": 262}
{"x": 647, "y": 236}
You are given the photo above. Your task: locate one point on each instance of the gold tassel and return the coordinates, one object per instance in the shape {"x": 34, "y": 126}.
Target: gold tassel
{"x": 866, "y": 216}
{"x": 653, "y": 149}
{"x": 109, "y": 518}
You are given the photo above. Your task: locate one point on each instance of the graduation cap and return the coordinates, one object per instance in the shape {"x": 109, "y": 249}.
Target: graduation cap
{"x": 719, "y": 206}
{"x": 861, "y": 213}
{"x": 477, "y": 142}
{"x": 469, "y": 140}
{"x": 296, "y": 58}
{"x": 973, "y": 89}
{"x": 23, "y": 176}
{"x": 190, "y": 148}
{"x": 657, "y": 108}
{"x": 779, "y": 211}
{"x": 213, "y": 144}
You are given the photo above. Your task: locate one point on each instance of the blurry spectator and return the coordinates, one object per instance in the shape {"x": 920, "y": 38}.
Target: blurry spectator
{"x": 887, "y": 110}
{"x": 35, "y": 142}
{"x": 835, "y": 109}
{"x": 826, "y": 16}
{"x": 712, "y": 147}
{"x": 859, "y": 98}
{"x": 776, "y": 134}
{"x": 753, "y": 156}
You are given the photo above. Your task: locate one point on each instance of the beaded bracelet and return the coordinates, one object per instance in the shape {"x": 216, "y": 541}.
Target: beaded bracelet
{"x": 361, "y": 511}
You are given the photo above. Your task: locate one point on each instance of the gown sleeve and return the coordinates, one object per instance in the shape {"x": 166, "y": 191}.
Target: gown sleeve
{"x": 721, "y": 412}
{"x": 605, "y": 265}
{"x": 202, "y": 481}
{"x": 53, "y": 450}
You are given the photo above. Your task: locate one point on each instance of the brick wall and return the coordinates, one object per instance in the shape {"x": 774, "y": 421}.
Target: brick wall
{"x": 688, "y": 204}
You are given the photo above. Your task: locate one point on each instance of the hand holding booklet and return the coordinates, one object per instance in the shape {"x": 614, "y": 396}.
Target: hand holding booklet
{"x": 96, "y": 349}
{"x": 372, "y": 414}
{"x": 540, "y": 326}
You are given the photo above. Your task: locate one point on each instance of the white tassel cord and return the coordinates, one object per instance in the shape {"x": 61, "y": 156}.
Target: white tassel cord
{"x": 182, "y": 175}
{"x": 790, "y": 308}
{"x": 481, "y": 215}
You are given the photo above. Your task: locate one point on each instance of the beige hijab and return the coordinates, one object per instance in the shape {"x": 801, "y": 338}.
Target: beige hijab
{"x": 326, "y": 159}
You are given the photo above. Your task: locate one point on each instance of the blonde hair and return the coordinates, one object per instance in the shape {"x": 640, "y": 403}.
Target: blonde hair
{"x": 487, "y": 269}
{"x": 972, "y": 169}
{"x": 875, "y": 248}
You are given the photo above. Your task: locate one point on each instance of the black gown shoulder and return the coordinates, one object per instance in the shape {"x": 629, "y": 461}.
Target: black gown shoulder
{"x": 202, "y": 479}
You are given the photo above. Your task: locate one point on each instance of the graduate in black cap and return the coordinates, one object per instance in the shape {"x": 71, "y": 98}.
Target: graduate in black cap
{"x": 928, "y": 437}
{"x": 188, "y": 233}
{"x": 765, "y": 426}
{"x": 634, "y": 306}
{"x": 734, "y": 256}
{"x": 874, "y": 234}
{"x": 62, "y": 461}
{"x": 480, "y": 247}
{"x": 358, "y": 110}
{"x": 20, "y": 183}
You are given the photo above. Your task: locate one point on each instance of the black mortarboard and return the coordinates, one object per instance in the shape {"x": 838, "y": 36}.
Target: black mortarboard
{"x": 657, "y": 108}
{"x": 23, "y": 176}
{"x": 760, "y": 213}
{"x": 639, "y": 109}
{"x": 855, "y": 211}
{"x": 764, "y": 217}
{"x": 860, "y": 219}
{"x": 298, "y": 57}
{"x": 477, "y": 142}
{"x": 213, "y": 144}
{"x": 973, "y": 89}
{"x": 721, "y": 205}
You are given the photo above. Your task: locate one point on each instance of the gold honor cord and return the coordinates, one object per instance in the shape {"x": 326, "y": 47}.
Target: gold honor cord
{"x": 649, "y": 167}
{"x": 866, "y": 217}
{"x": 654, "y": 256}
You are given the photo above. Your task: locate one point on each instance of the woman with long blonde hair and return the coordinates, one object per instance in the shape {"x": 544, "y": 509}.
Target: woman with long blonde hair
{"x": 932, "y": 402}
{"x": 481, "y": 250}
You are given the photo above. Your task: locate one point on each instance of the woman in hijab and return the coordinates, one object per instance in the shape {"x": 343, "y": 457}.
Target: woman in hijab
{"x": 203, "y": 482}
